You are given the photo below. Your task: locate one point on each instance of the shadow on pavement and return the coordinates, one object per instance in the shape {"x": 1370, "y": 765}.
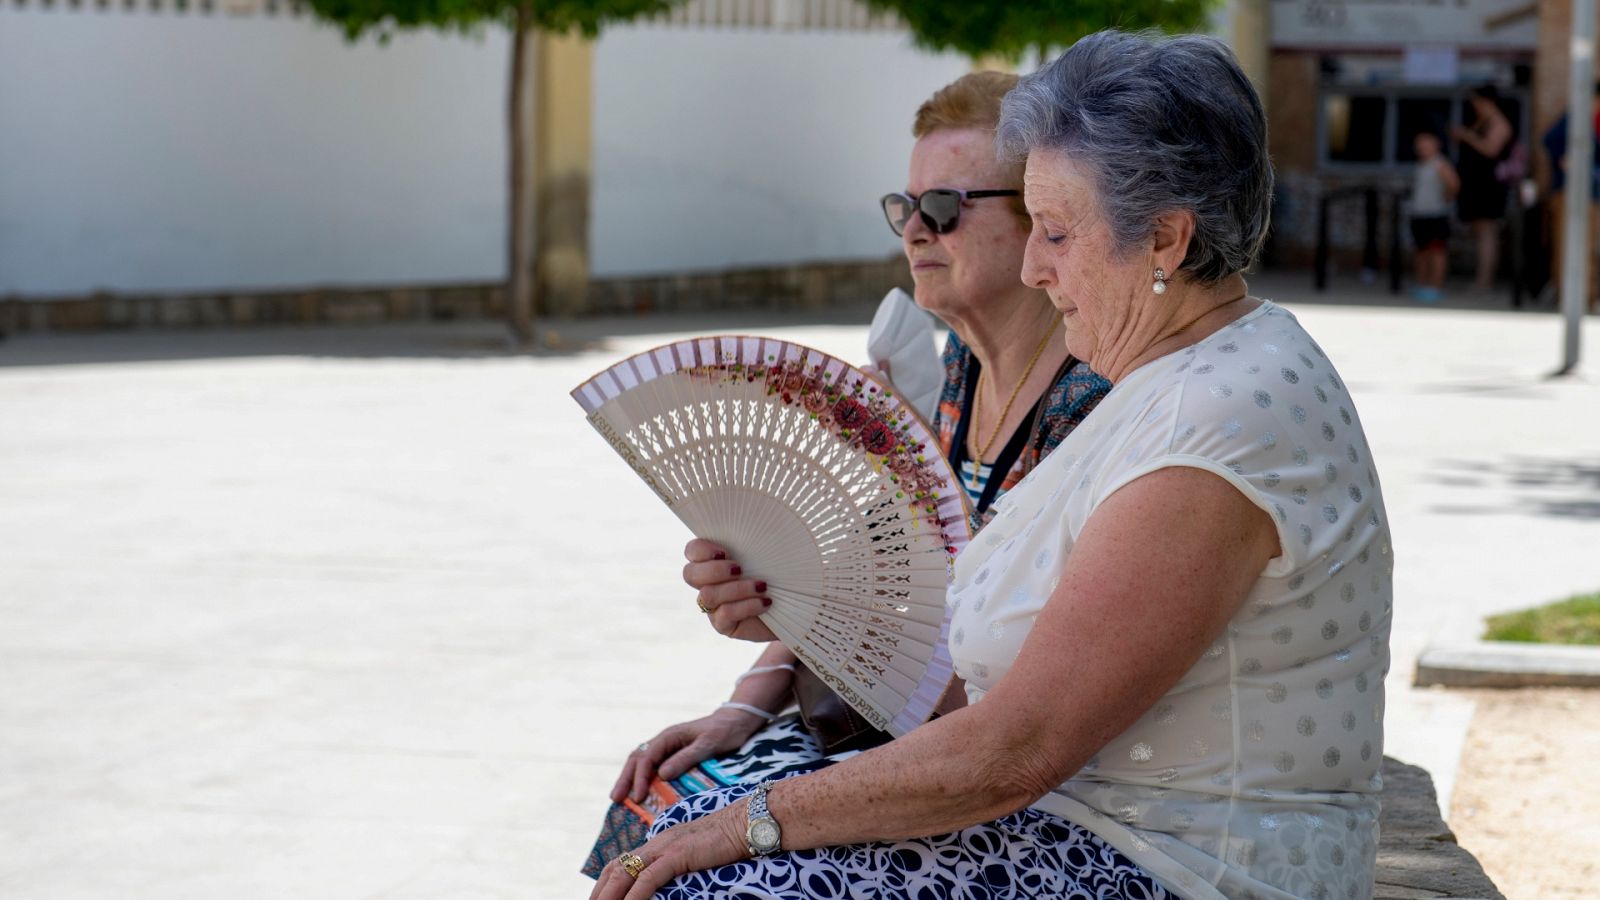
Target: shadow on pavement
{"x": 1294, "y": 286}
{"x": 480, "y": 339}
{"x": 1559, "y": 488}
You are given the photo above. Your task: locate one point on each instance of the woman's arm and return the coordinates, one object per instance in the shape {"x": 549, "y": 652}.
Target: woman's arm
{"x": 1491, "y": 142}
{"x": 1151, "y": 596}
{"x": 767, "y": 685}
{"x": 1447, "y": 174}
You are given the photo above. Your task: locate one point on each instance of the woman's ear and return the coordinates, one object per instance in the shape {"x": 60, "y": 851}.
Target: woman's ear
{"x": 1170, "y": 239}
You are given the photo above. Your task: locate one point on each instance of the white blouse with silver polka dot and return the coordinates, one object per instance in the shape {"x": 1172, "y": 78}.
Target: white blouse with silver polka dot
{"x": 1257, "y": 775}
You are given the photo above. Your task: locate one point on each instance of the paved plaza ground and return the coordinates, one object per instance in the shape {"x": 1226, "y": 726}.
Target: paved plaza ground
{"x": 372, "y": 612}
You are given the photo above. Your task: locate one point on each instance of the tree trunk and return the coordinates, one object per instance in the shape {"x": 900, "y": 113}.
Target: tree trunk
{"x": 519, "y": 226}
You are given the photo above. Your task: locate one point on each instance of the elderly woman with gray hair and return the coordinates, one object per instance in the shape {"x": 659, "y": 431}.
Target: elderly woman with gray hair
{"x": 1174, "y": 634}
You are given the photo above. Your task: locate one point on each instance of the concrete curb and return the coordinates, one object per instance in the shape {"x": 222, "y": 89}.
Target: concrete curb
{"x": 1501, "y": 664}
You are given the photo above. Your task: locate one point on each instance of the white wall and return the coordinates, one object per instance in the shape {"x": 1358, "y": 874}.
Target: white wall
{"x": 161, "y": 152}
{"x": 145, "y": 152}
{"x": 719, "y": 148}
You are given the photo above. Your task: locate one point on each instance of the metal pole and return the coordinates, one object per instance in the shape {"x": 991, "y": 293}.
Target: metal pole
{"x": 1319, "y": 267}
{"x": 1577, "y": 243}
{"x": 1369, "y": 251}
{"x": 1396, "y": 260}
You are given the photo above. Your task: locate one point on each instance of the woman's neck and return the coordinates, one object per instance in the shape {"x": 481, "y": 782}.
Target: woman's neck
{"x": 1193, "y": 315}
{"x": 1005, "y": 340}
{"x": 1019, "y": 347}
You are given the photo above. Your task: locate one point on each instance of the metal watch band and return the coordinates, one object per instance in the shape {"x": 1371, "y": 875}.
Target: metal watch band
{"x": 758, "y": 800}
{"x": 759, "y": 818}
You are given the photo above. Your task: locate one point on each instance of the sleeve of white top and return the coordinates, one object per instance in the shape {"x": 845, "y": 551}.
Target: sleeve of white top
{"x": 1280, "y": 565}
{"x": 1238, "y": 443}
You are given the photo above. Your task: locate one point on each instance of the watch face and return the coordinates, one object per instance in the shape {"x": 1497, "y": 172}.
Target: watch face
{"x": 764, "y": 834}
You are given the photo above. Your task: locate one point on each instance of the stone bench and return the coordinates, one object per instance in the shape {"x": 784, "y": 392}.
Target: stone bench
{"x": 1418, "y": 856}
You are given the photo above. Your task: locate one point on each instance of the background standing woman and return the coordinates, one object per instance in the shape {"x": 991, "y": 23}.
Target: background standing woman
{"x": 1482, "y": 201}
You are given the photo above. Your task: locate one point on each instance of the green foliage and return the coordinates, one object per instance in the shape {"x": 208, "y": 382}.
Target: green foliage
{"x": 1575, "y": 620}
{"x": 384, "y": 17}
{"x": 1008, "y": 28}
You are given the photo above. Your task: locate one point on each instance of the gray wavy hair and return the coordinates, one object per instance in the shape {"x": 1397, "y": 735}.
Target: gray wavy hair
{"x": 1158, "y": 124}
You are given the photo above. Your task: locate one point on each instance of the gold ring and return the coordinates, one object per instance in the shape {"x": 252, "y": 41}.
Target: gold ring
{"x": 632, "y": 863}
{"x": 702, "y": 604}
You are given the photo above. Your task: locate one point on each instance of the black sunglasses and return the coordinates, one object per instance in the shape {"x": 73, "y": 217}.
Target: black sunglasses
{"x": 940, "y": 208}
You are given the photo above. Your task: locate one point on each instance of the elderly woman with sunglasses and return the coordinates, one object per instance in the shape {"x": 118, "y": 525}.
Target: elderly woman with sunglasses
{"x": 1175, "y": 632}
{"x": 1012, "y": 393}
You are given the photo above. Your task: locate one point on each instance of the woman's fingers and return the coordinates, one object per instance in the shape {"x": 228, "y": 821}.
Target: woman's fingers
{"x": 625, "y": 781}
{"x": 738, "y": 618}
{"x": 678, "y": 763}
{"x": 615, "y": 883}
{"x": 605, "y": 886}
{"x": 629, "y": 779}
{"x": 641, "y": 764}
{"x": 704, "y": 843}
{"x": 717, "y": 571}
{"x": 648, "y": 882}
{"x": 619, "y": 791}
{"x": 648, "y": 757}
{"x": 702, "y": 550}
{"x": 664, "y": 860}
{"x": 643, "y": 770}
{"x": 728, "y": 615}
{"x": 754, "y": 631}
{"x": 716, "y": 596}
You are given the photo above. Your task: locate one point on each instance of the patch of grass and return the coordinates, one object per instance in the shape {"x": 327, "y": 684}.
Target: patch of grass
{"x": 1575, "y": 620}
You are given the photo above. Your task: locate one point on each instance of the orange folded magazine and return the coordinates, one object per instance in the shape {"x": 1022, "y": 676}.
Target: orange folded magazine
{"x": 627, "y": 823}
{"x": 660, "y": 796}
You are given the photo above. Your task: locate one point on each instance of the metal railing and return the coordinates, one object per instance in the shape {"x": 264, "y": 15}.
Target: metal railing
{"x": 1370, "y": 259}
{"x": 1513, "y": 236}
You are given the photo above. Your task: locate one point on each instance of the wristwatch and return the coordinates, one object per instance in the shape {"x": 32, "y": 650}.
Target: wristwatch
{"x": 761, "y": 834}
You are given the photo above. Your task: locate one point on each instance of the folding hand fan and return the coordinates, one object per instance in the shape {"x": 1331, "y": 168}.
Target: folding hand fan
{"x": 821, "y": 482}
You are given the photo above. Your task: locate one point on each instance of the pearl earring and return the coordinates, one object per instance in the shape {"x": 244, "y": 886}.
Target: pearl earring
{"x": 1160, "y": 286}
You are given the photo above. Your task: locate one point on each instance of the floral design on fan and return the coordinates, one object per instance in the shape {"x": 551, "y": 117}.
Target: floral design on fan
{"x": 857, "y": 411}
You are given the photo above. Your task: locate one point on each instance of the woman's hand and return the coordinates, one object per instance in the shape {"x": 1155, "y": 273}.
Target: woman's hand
{"x": 705, "y": 843}
{"x": 731, "y": 600}
{"x": 680, "y": 747}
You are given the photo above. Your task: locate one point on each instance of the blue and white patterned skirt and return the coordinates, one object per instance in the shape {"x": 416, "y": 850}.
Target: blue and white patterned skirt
{"x": 1024, "y": 855}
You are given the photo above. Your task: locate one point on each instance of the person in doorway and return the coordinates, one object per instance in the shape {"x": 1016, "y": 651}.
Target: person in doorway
{"x": 1482, "y": 200}
{"x": 1433, "y": 185}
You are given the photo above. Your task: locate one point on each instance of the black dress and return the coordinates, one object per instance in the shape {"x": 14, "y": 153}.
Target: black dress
{"x": 1482, "y": 196}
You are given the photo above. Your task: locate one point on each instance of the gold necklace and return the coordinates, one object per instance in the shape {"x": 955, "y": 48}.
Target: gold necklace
{"x": 977, "y": 391}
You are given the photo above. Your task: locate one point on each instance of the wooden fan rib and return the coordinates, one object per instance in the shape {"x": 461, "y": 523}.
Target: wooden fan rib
{"x": 877, "y": 656}
{"x": 919, "y": 622}
{"x": 842, "y": 624}
{"x": 937, "y": 680}
{"x": 904, "y": 590}
{"x": 870, "y": 666}
{"x": 875, "y": 704}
